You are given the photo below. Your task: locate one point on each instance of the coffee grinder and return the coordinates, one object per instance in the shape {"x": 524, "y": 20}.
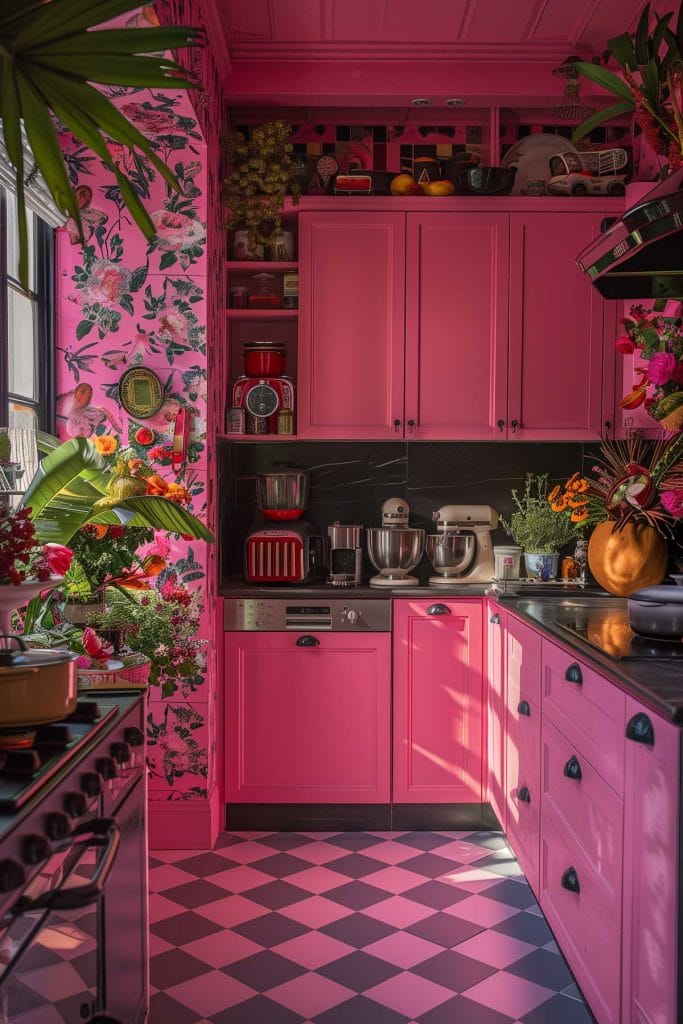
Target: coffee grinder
{"x": 346, "y": 555}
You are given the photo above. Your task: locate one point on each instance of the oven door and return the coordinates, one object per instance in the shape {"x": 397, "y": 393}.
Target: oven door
{"x": 50, "y": 967}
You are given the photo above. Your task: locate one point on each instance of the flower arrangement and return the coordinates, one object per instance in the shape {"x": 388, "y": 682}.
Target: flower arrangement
{"x": 658, "y": 341}
{"x": 572, "y": 499}
{"x": 106, "y": 556}
{"x": 22, "y": 556}
{"x": 533, "y": 524}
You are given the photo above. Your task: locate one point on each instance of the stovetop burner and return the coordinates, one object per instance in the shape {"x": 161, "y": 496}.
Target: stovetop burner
{"x": 23, "y": 770}
{"x": 608, "y": 631}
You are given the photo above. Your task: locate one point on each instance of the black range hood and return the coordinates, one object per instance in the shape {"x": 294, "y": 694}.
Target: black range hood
{"x": 641, "y": 255}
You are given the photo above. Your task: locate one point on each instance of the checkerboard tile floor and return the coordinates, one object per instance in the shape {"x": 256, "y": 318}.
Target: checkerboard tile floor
{"x": 353, "y": 928}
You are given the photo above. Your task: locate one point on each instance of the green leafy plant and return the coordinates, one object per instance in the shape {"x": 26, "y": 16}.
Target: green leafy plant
{"x": 48, "y": 59}
{"x": 649, "y": 83}
{"x": 533, "y": 524}
{"x": 261, "y": 176}
{"x": 99, "y": 561}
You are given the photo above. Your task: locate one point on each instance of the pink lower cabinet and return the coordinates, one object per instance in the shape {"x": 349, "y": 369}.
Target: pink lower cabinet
{"x": 495, "y": 707}
{"x": 651, "y": 868}
{"x": 438, "y": 684}
{"x": 308, "y": 722}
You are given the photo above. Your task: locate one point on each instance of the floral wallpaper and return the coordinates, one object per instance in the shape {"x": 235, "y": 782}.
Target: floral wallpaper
{"x": 123, "y": 302}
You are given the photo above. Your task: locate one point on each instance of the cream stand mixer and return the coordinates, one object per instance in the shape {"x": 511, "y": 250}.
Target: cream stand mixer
{"x": 461, "y": 551}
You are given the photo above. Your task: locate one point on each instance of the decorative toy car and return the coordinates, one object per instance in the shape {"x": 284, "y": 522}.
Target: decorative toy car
{"x": 583, "y": 183}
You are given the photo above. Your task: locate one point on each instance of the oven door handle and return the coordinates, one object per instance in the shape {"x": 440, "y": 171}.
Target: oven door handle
{"x": 100, "y": 833}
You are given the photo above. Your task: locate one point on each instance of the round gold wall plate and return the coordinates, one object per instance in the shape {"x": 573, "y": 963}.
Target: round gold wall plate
{"x": 141, "y": 392}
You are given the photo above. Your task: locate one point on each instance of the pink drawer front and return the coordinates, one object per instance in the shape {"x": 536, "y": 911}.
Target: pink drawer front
{"x": 588, "y": 709}
{"x": 592, "y": 812}
{"x": 523, "y": 660}
{"x": 586, "y": 931}
{"x": 523, "y": 789}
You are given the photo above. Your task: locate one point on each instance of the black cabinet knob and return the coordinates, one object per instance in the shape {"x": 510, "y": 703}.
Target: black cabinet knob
{"x": 35, "y": 849}
{"x": 90, "y": 784}
{"x": 501, "y": 425}
{"x": 523, "y": 708}
{"x": 120, "y": 752}
{"x": 570, "y": 880}
{"x": 133, "y": 736}
{"x": 308, "y": 641}
{"x": 572, "y": 769}
{"x": 397, "y": 425}
{"x": 74, "y": 803}
{"x": 57, "y": 825}
{"x": 411, "y": 424}
{"x": 524, "y": 795}
{"x": 438, "y": 609}
{"x": 514, "y": 424}
{"x": 106, "y": 768}
{"x": 495, "y": 619}
{"x": 12, "y": 875}
{"x": 574, "y": 674}
{"x": 640, "y": 730}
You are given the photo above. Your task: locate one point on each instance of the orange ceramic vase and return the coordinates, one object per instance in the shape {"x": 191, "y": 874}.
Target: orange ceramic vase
{"x": 624, "y": 561}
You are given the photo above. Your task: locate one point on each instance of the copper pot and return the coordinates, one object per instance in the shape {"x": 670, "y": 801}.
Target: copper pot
{"x": 36, "y": 687}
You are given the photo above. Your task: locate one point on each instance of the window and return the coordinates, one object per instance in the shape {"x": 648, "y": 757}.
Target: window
{"x": 27, "y": 363}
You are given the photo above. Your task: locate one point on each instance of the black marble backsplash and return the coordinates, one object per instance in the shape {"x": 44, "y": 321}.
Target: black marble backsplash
{"x": 351, "y": 479}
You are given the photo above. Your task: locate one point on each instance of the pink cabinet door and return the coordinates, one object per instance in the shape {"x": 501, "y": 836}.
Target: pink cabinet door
{"x": 651, "y": 865}
{"x": 556, "y": 331}
{"x": 523, "y": 782}
{"x": 495, "y": 719}
{"x": 308, "y": 723}
{"x": 351, "y": 325}
{"x": 456, "y": 325}
{"x": 438, "y": 663}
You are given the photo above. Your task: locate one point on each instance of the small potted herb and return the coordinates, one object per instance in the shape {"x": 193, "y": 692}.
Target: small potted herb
{"x": 537, "y": 529}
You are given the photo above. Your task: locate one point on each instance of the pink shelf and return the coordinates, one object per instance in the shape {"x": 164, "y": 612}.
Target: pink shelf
{"x": 262, "y": 314}
{"x": 261, "y": 266}
{"x": 260, "y": 438}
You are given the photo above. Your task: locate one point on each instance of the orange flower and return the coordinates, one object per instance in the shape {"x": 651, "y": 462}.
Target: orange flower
{"x": 634, "y": 398}
{"x": 156, "y": 484}
{"x": 554, "y": 494}
{"x": 580, "y": 515}
{"x": 559, "y": 504}
{"x": 571, "y": 483}
{"x": 574, "y": 501}
{"x": 106, "y": 444}
{"x": 179, "y": 494}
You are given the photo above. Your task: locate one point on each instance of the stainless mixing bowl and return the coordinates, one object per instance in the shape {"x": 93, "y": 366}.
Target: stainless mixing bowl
{"x": 451, "y": 554}
{"x": 394, "y": 550}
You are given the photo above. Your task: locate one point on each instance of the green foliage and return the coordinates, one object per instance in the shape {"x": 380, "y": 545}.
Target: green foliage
{"x": 119, "y": 615}
{"x": 97, "y": 560}
{"x": 533, "y": 525}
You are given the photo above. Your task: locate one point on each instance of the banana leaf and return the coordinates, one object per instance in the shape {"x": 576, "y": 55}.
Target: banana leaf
{"x": 162, "y": 514}
{"x": 587, "y": 126}
{"x": 607, "y": 79}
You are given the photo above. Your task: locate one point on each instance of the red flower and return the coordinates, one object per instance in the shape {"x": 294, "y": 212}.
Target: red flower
{"x": 95, "y": 646}
{"x": 144, "y": 435}
{"x": 625, "y": 345}
{"x": 116, "y": 532}
{"x": 58, "y": 558}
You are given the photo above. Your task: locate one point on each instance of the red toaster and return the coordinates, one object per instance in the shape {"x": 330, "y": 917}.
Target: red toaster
{"x": 292, "y": 554}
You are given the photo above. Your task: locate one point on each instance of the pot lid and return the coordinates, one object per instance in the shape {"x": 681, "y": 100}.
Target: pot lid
{"x": 663, "y": 594}
{"x": 264, "y": 346}
{"x": 22, "y": 656}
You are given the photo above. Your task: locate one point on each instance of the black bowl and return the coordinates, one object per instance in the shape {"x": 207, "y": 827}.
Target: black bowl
{"x": 487, "y": 181}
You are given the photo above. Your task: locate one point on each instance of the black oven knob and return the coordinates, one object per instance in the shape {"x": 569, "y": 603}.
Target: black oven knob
{"x": 35, "y": 849}
{"x": 106, "y": 768}
{"x": 57, "y": 825}
{"x": 12, "y": 875}
{"x": 120, "y": 752}
{"x": 75, "y": 804}
{"x": 133, "y": 736}
{"x": 90, "y": 784}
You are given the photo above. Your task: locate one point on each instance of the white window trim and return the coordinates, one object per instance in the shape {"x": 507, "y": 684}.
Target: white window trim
{"x": 38, "y": 197}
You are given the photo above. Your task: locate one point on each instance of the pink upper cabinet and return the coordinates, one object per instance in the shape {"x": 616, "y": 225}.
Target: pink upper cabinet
{"x": 561, "y": 376}
{"x": 351, "y": 325}
{"x": 456, "y": 325}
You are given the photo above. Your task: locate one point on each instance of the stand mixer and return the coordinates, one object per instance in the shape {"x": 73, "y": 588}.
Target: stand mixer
{"x": 394, "y": 548}
{"x": 461, "y": 550}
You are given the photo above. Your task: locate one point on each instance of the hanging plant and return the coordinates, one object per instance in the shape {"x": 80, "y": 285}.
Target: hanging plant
{"x": 262, "y": 175}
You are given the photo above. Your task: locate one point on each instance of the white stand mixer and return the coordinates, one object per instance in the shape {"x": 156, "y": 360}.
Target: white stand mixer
{"x": 461, "y": 551}
{"x": 394, "y": 548}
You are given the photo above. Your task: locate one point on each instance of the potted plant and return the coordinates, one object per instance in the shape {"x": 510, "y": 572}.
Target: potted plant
{"x": 262, "y": 175}
{"x": 104, "y": 556}
{"x": 535, "y": 527}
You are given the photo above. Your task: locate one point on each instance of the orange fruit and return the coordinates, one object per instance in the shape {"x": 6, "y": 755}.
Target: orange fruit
{"x": 400, "y": 184}
{"x": 439, "y": 188}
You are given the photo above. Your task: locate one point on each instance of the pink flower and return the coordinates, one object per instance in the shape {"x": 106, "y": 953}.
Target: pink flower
{"x": 625, "y": 345}
{"x": 82, "y": 661}
{"x": 673, "y": 503}
{"x": 661, "y": 367}
{"x": 95, "y": 646}
{"x": 175, "y": 231}
{"x": 107, "y": 282}
{"x": 151, "y": 122}
{"x": 58, "y": 558}
{"x": 173, "y": 327}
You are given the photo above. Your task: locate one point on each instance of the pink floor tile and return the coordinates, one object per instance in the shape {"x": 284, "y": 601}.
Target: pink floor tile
{"x": 210, "y": 993}
{"x": 310, "y": 994}
{"x": 463, "y": 852}
{"x": 471, "y": 878}
{"x": 409, "y": 994}
{"x": 313, "y": 950}
{"x": 54, "y": 981}
{"x": 494, "y": 948}
{"x": 167, "y": 876}
{"x": 398, "y": 911}
{"x": 392, "y": 853}
{"x": 158, "y": 945}
{"x": 160, "y": 908}
{"x": 231, "y": 911}
{"x": 394, "y": 879}
{"x": 403, "y": 949}
{"x": 508, "y": 994}
{"x": 246, "y": 853}
{"x": 479, "y": 910}
{"x": 240, "y": 879}
{"x": 317, "y": 879}
{"x": 222, "y": 948}
{"x": 319, "y": 853}
{"x": 315, "y": 912}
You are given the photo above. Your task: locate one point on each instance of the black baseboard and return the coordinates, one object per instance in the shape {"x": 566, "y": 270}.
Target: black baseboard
{"x": 359, "y": 817}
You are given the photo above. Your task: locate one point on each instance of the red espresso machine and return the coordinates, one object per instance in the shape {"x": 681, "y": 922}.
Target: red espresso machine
{"x": 264, "y": 391}
{"x": 293, "y": 552}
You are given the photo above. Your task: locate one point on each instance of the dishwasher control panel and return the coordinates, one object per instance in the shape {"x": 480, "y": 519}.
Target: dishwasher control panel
{"x": 334, "y": 615}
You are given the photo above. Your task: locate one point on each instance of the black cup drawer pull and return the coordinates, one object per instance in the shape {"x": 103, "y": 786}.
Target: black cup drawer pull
{"x": 573, "y": 674}
{"x": 438, "y": 609}
{"x": 570, "y": 880}
{"x": 308, "y": 641}
{"x": 524, "y": 795}
{"x": 572, "y": 769}
{"x": 640, "y": 730}
{"x": 523, "y": 708}
{"x": 495, "y": 619}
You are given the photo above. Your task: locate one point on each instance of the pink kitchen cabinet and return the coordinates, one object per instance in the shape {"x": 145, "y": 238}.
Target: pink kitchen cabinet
{"x": 308, "y": 718}
{"x": 561, "y": 375}
{"x": 495, "y": 705}
{"x": 456, "y": 325}
{"x": 438, "y": 693}
{"x": 351, "y": 325}
{"x": 651, "y": 865}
